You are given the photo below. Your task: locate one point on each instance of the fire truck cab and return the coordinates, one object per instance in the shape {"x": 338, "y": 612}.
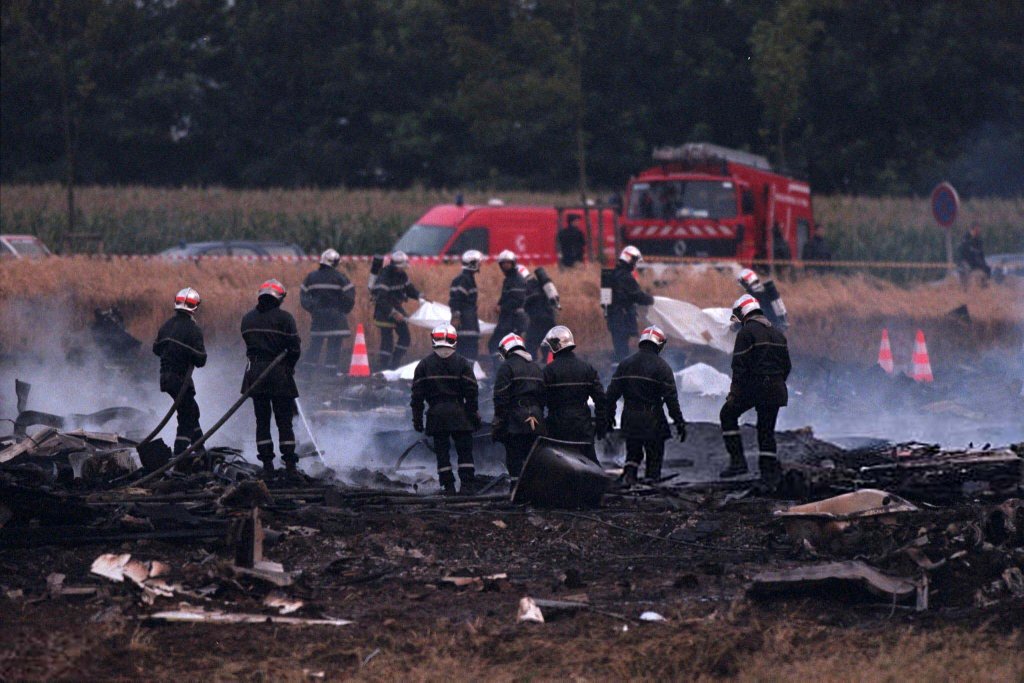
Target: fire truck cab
{"x": 703, "y": 200}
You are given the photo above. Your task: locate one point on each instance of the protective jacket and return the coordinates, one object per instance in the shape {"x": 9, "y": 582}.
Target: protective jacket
{"x": 267, "y": 331}
{"x": 538, "y": 306}
{"x": 462, "y": 299}
{"x": 646, "y": 383}
{"x": 449, "y": 386}
{"x": 760, "y": 364}
{"x": 971, "y": 252}
{"x": 390, "y": 291}
{"x": 329, "y": 296}
{"x": 626, "y": 296}
{"x": 568, "y": 382}
{"x": 512, "y": 300}
{"x": 179, "y": 343}
{"x": 518, "y": 398}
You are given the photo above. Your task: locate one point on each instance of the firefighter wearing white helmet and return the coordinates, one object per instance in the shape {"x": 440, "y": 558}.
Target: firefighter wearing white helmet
{"x": 626, "y": 296}
{"x": 268, "y": 330}
{"x": 646, "y": 384}
{"x": 179, "y": 344}
{"x": 767, "y": 295}
{"x": 445, "y": 388}
{"x": 390, "y": 291}
{"x": 760, "y": 367}
{"x": 462, "y": 300}
{"x": 569, "y": 383}
{"x": 329, "y": 296}
{"x": 541, "y": 303}
{"x": 511, "y": 316}
{"x": 518, "y": 404}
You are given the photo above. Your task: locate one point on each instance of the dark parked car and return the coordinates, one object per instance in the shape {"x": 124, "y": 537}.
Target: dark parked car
{"x": 1003, "y": 265}
{"x": 232, "y": 248}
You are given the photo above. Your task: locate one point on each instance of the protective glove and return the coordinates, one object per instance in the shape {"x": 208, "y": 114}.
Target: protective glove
{"x": 600, "y": 429}
{"x": 417, "y": 424}
{"x": 397, "y": 317}
{"x": 681, "y": 431}
{"x": 456, "y": 319}
{"x": 475, "y": 421}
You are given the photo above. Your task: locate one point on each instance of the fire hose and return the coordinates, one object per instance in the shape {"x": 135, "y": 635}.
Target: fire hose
{"x": 174, "y": 407}
{"x": 213, "y": 430}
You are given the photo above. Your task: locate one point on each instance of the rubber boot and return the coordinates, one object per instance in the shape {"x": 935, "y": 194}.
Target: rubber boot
{"x": 629, "y": 473}
{"x": 448, "y": 488}
{"x": 470, "y": 485}
{"x": 268, "y": 468}
{"x": 771, "y": 470}
{"x": 737, "y": 463}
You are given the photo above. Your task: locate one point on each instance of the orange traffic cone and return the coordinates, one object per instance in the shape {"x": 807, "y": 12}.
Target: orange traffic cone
{"x": 921, "y": 367}
{"x": 885, "y": 353}
{"x": 360, "y": 366}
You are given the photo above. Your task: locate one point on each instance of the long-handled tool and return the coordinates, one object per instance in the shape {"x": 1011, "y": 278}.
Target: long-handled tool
{"x": 152, "y": 451}
{"x": 312, "y": 437}
{"x": 213, "y": 430}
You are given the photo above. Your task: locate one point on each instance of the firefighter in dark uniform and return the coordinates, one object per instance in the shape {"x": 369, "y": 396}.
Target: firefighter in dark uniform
{"x": 768, "y": 298}
{"x": 179, "y": 343}
{"x": 568, "y": 382}
{"x": 511, "y": 316}
{"x": 760, "y": 367}
{"x": 329, "y": 296}
{"x": 541, "y": 302}
{"x": 267, "y": 331}
{"x": 462, "y": 298}
{"x": 518, "y": 404}
{"x": 626, "y": 296}
{"x": 390, "y": 291}
{"x": 648, "y": 386}
{"x": 970, "y": 257}
{"x": 446, "y": 382}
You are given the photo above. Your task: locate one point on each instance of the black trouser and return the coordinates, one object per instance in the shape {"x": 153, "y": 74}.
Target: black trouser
{"x": 283, "y": 409}
{"x": 620, "y": 341}
{"x": 331, "y": 362}
{"x": 535, "y": 334}
{"x": 766, "y": 418}
{"x": 464, "y": 451}
{"x": 468, "y": 344}
{"x": 189, "y": 430}
{"x": 391, "y": 354}
{"x": 655, "y": 451}
{"x": 517, "y": 447}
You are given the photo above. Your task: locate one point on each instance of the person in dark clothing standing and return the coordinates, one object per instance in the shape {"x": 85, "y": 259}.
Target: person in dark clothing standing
{"x": 462, "y": 300}
{"x": 511, "y": 316}
{"x": 768, "y": 297}
{"x": 267, "y": 331}
{"x": 390, "y": 290}
{"x": 817, "y": 250}
{"x": 541, "y": 302}
{"x": 446, "y": 382}
{"x": 760, "y": 367}
{"x": 648, "y": 386}
{"x": 970, "y": 256}
{"x": 179, "y": 343}
{"x": 571, "y": 242}
{"x": 518, "y": 404}
{"x": 626, "y": 296}
{"x": 568, "y": 382}
{"x": 780, "y": 251}
{"x": 329, "y": 296}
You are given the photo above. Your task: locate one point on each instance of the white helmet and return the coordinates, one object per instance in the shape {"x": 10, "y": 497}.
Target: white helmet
{"x": 559, "y": 338}
{"x": 509, "y": 343}
{"x": 654, "y": 335}
{"x": 524, "y": 271}
{"x": 471, "y": 260}
{"x": 748, "y": 280}
{"x": 273, "y": 288}
{"x": 186, "y": 300}
{"x": 444, "y": 335}
{"x": 399, "y": 259}
{"x": 330, "y": 258}
{"x": 743, "y": 307}
{"x": 507, "y": 256}
{"x": 631, "y": 255}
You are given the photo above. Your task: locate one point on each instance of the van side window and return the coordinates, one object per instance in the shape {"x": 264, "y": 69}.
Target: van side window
{"x": 474, "y": 238}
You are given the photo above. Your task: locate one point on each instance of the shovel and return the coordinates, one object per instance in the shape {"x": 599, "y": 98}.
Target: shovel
{"x": 153, "y": 452}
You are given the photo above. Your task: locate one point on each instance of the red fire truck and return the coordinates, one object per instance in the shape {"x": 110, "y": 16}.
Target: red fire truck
{"x": 706, "y": 200}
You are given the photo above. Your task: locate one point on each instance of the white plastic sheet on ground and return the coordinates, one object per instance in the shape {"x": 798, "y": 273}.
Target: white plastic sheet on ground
{"x": 407, "y": 371}
{"x": 431, "y": 314}
{"x": 686, "y": 322}
{"x": 701, "y": 378}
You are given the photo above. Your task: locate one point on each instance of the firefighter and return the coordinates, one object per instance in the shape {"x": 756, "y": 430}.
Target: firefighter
{"x": 626, "y": 295}
{"x": 970, "y": 257}
{"x": 768, "y": 297}
{"x": 462, "y": 298}
{"x": 390, "y": 290}
{"x": 329, "y": 296}
{"x": 179, "y": 343}
{"x": 445, "y": 381}
{"x": 760, "y": 367}
{"x": 569, "y": 382}
{"x": 518, "y": 404}
{"x": 541, "y": 302}
{"x": 572, "y": 243}
{"x": 648, "y": 386}
{"x": 267, "y": 331}
{"x": 511, "y": 316}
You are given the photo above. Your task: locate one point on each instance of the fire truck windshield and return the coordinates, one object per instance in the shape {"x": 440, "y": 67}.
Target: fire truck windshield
{"x": 677, "y": 199}
{"x": 424, "y": 240}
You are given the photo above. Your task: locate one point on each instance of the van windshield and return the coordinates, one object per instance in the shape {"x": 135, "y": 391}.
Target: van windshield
{"x": 424, "y": 240}
{"x": 668, "y": 199}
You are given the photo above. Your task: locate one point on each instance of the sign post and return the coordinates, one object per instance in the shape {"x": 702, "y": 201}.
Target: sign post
{"x": 945, "y": 206}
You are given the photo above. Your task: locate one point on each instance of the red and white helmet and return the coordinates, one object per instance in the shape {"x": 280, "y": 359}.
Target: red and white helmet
{"x": 654, "y": 335}
{"x": 743, "y": 307}
{"x": 524, "y": 271}
{"x": 509, "y": 343}
{"x": 399, "y": 259}
{"x": 187, "y": 300}
{"x": 330, "y": 257}
{"x": 444, "y": 335}
{"x": 273, "y": 288}
{"x": 631, "y": 255}
{"x": 507, "y": 256}
{"x": 748, "y": 280}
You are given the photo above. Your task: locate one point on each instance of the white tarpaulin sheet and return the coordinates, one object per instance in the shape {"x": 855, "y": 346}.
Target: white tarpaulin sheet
{"x": 431, "y": 314}
{"x": 406, "y": 371}
{"x": 686, "y": 322}
{"x": 701, "y": 378}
